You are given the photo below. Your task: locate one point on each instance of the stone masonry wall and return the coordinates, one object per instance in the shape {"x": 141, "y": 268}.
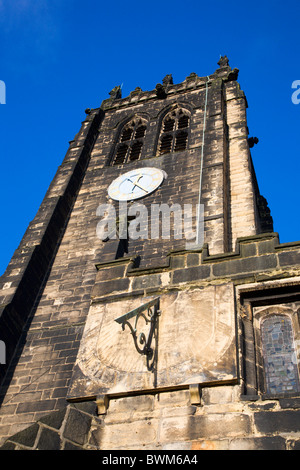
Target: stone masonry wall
{"x": 168, "y": 421}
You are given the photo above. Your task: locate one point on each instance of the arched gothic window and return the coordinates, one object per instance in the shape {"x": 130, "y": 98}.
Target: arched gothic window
{"x": 279, "y": 355}
{"x": 130, "y": 143}
{"x": 174, "y": 132}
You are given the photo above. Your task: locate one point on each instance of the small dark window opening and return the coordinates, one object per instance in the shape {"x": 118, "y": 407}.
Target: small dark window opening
{"x": 135, "y": 151}
{"x": 168, "y": 125}
{"x": 183, "y": 122}
{"x": 166, "y": 144}
{"x": 181, "y": 139}
{"x": 140, "y": 132}
{"x": 126, "y": 134}
{"x": 121, "y": 154}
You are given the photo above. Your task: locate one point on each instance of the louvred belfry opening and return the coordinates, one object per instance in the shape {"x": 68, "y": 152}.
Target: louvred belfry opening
{"x": 130, "y": 144}
{"x": 172, "y": 137}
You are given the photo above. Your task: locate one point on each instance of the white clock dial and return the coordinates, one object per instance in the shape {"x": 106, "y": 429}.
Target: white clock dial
{"x": 135, "y": 184}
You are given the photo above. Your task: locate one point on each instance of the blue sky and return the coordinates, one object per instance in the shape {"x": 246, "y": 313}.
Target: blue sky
{"x": 59, "y": 57}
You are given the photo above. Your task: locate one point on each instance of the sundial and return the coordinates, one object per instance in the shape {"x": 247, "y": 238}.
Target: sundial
{"x": 188, "y": 338}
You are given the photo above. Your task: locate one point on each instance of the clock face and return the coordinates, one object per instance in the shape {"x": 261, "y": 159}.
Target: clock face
{"x": 135, "y": 184}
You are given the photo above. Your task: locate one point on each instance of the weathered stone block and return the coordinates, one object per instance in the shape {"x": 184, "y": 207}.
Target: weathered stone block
{"x": 27, "y": 437}
{"x": 217, "y": 395}
{"x": 130, "y": 404}
{"x": 195, "y": 427}
{"x": 144, "y": 282}
{"x": 8, "y": 446}
{"x": 69, "y": 446}
{"x": 193, "y": 259}
{"x": 108, "y": 287}
{"x": 177, "y": 262}
{"x": 172, "y": 399}
{"x": 290, "y": 258}
{"x": 269, "y": 422}
{"x": 191, "y": 274}
{"x": 219, "y": 424}
{"x": 55, "y": 419}
{"x": 112, "y": 272}
{"x": 115, "y": 436}
{"x": 290, "y": 403}
{"x": 89, "y": 407}
{"x": 258, "y": 443}
{"x": 248, "y": 249}
{"x": 267, "y": 246}
{"x": 247, "y": 265}
{"x": 210, "y": 444}
{"x": 77, "y": 426}
{"x": 174, "y": 429}
{"x": 176, "y": 446}
{"x": 48, "y": 440}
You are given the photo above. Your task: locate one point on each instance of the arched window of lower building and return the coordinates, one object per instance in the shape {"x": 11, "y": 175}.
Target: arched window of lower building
{"x": 279, "y": 355}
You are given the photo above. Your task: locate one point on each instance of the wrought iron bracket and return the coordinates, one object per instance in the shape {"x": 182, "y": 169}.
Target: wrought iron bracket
{"x": 141, "y": 341}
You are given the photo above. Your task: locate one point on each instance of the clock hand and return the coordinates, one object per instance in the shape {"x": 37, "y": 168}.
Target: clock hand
{"x": 141, "y": 187}
{"x": 135, "y": 184}
{"x": 138, "y": 178}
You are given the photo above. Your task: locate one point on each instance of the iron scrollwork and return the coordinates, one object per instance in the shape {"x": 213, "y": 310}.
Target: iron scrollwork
{"x": 141, "y": 341}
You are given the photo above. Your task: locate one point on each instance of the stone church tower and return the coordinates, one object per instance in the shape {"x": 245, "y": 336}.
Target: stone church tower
{"x": 149, "y": 304}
